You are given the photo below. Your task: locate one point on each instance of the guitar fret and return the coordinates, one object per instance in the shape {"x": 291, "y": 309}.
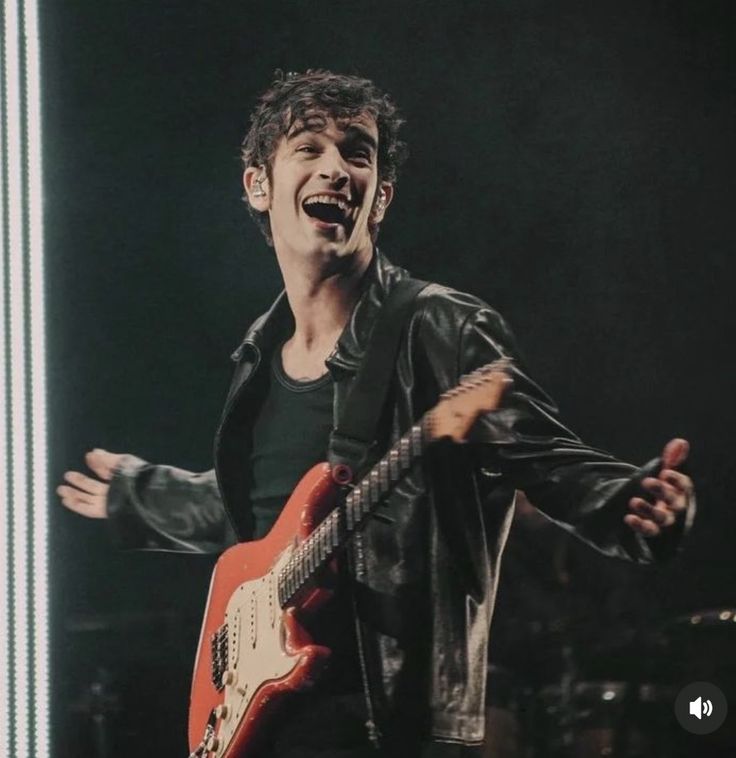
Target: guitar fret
{"x": 358, "y": 508}
{"x": 298, "y": 575}
{"x": 318, "y": 545}
{"x": 284, "y": 592}
{"x": 291, "y": 566}
{"x": 372, "y": 494}
{"x": 383, "y": 476}
{"x": 367, "y": 500}
{"x": 309, "y": 561}
{"x": 348, "y": 510}
{"x": 393, "y": 464}
{"x": 291, "y": 587}
{"x": 324, "y": 542}
{"x": 328, "y": 537}
{"x": 334, "y": 516}
{"x": 404, "y": 452}
{"x": 416, "y": 439}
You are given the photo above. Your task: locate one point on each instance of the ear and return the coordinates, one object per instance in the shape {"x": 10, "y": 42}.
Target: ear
{"x": 255, "y": 181}
{"x": 384, "y": 197}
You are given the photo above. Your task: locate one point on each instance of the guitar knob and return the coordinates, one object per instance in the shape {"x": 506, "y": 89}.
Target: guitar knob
{"x": 228, "y": 678}
{"x": 212, "y": 745}
{"x": 221, "y": 712}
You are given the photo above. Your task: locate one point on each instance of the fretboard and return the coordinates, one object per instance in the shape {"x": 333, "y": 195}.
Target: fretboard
{"x": 343, "y": 521}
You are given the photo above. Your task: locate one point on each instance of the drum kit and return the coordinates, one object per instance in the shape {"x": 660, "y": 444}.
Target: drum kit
{"x": 617, "y": 703}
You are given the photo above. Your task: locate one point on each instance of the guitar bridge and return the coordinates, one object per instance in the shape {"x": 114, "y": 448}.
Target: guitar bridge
{"x": 220, "y": 656}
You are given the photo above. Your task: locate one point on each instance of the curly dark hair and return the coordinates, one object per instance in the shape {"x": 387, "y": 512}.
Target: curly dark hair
{"x": 294, "y": 96}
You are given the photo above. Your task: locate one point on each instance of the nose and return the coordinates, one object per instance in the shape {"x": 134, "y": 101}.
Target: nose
{"x": 333, "y": 169}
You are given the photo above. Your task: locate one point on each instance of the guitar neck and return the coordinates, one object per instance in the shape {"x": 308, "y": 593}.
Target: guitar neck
{"x": 452, "y": 417}
{"x": 342, "y": 522}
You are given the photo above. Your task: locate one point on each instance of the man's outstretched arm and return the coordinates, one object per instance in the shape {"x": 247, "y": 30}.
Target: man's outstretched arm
{"x": 150, "y": 507}
{"x": 613, "y": 505}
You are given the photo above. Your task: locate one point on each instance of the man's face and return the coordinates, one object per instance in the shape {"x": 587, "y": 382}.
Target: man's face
{"x": 324, "y": 181}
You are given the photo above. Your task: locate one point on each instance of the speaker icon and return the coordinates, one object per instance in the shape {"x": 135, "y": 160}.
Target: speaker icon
{"x": 700, "y": 708}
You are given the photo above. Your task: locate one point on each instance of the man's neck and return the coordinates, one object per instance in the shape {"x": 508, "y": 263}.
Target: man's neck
{"x": 321, "y": 295}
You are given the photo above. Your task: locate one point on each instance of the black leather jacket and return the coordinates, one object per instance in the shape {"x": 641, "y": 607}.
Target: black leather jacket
{"x": 424, "y": 585}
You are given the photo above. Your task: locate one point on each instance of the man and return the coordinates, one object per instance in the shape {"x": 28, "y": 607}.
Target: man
{"x": 411, "y": 617}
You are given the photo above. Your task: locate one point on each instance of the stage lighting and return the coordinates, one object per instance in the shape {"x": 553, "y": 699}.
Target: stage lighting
{"x": 24, "y": 683}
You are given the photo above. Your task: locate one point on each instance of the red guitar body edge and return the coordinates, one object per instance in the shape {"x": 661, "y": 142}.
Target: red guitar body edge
{"x": 314, "y": 497}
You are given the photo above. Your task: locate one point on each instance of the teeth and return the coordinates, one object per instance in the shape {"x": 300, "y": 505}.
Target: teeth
{"x": 330, "y": 199}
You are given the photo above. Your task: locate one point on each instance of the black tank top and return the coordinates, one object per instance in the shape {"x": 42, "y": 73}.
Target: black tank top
{"x": 290, "y": 435}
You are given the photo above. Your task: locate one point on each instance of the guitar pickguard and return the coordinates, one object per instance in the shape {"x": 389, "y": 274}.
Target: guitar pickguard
{"x": 256, "y": 650}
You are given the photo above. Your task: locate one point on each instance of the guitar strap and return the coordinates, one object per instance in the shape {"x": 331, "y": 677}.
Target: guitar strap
{"x": 357, "y": 428}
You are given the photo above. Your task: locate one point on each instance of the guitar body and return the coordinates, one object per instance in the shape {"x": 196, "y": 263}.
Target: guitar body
{"x": 252, "y": 654}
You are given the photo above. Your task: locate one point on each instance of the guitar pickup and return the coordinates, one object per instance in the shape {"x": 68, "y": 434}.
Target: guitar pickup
{"x": 220, "y": 656}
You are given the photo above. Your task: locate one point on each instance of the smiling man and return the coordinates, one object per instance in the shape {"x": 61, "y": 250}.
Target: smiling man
{"x": 321, "y": 198}
{"x": 409, "y": 622}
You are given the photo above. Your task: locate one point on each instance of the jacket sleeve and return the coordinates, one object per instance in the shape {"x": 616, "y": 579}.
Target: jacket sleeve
{"x": 164, "y": 508}
{"x": 584, "y": 490}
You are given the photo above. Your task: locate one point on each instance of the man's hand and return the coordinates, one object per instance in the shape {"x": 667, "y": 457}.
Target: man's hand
{"x": 85, "y": 495}
{"x": 671, "y": 490}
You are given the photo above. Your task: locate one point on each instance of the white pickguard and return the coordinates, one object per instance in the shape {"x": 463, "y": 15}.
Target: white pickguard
{"x": 255, "y": 646}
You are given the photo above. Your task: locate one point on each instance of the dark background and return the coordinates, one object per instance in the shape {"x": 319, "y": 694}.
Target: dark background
{"x": 570, "y": 162}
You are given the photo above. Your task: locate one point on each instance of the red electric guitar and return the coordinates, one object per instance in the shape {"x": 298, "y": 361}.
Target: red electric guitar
{"x": 252, "y": 651}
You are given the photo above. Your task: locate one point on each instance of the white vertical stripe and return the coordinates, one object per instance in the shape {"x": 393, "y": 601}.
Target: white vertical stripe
{"x": 18, "y": 442}
{"x": 40, "y": 502}
{"x": 4, "y": 474}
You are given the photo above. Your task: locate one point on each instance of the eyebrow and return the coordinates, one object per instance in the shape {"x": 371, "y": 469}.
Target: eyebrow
{"x": 353, "y": 132}
{"x": 361, "y": 135}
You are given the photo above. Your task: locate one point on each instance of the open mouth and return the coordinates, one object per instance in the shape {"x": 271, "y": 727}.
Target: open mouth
{"x": 328, "y": 209}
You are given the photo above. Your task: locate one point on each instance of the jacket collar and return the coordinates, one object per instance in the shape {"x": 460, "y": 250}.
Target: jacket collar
{"x": 278, "y": 322}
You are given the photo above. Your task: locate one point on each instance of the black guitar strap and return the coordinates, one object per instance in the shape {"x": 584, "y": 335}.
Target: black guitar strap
{"x": 357, "y": 427}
